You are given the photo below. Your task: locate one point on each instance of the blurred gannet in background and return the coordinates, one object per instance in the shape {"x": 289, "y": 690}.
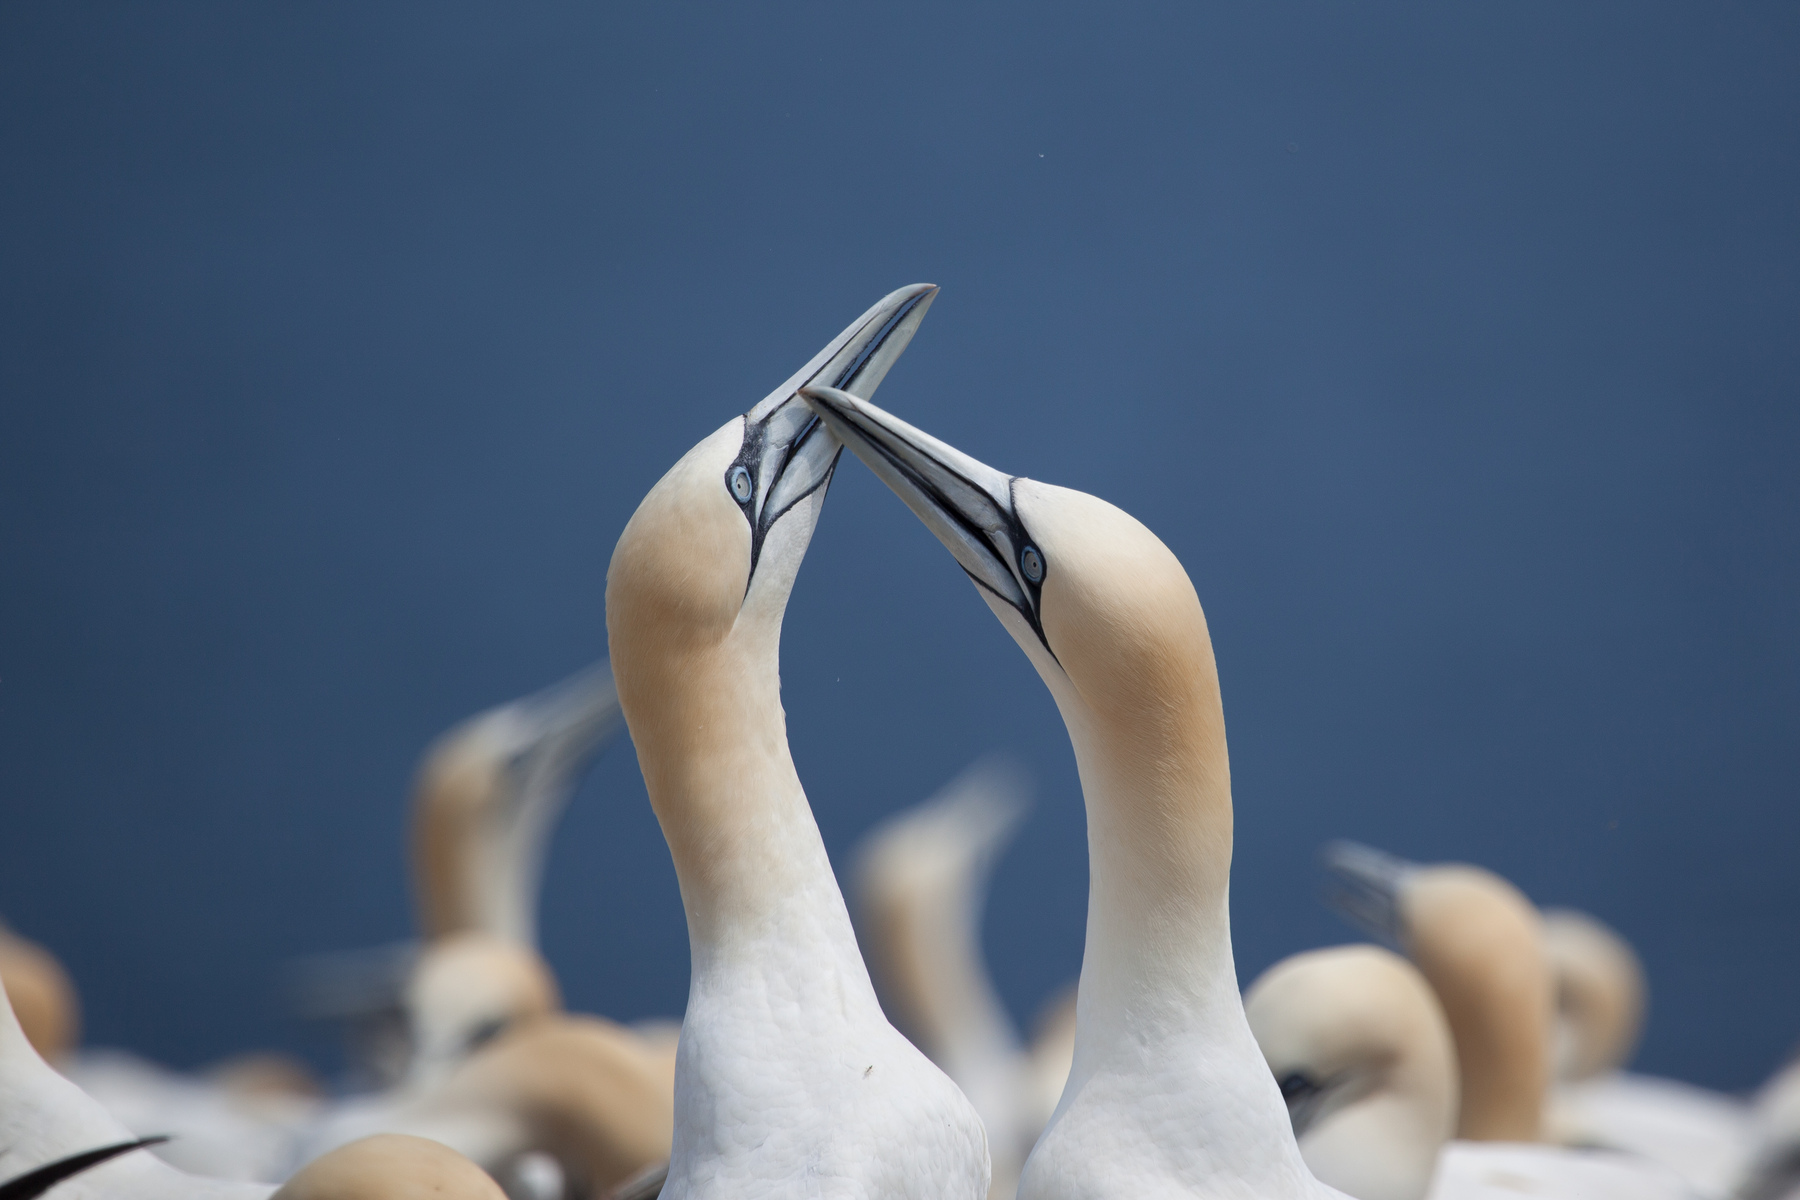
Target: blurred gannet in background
{"x": 789, "y": 1080}
{"x": 391, "y": 1167}
{"x": 488, "y": 796}
{"x": 1359, "y": 1047}
{"x": 544, "y": 1102}
{"x": 1365, "y": 1059}
{"x": 45, "y": 1119}
{"x": 242, "y": 1115}
{"x": 43, "y": 997}
{"x": 1705, "y": 1136}
{"x": 1478, "y": 942}
{"x": 1168, "y": 1094}
{"x": 565, "y": 1105}
{"x": 1599, "y": 994}
{"x": 919, "y": 880}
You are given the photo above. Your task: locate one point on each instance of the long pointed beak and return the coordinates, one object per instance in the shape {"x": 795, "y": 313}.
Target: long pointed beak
{"x": 965, "y": 502}
{"x": 563, "y": 728}
{"x": 787, "y": 452}
{"x": 1364, "y": 886}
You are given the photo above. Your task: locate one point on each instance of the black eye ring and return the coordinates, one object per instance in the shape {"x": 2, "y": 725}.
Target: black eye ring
{"x": 1032, "y": 564}
{"x": 737, "y": 481}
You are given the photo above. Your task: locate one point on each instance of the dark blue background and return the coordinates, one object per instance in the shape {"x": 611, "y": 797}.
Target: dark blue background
{"x": 1453, "y": 349}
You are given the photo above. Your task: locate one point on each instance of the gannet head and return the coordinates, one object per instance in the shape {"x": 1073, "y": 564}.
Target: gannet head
{"x": 1599, "y": 994}
{"x": 1479, "y": 942}
{"x": 389, "y": 1165}
{"x": 1099, "y": 604}
{"x": 488, "y": 793}
{"x": 1360, "y": 1047}
{"x": 721, "y": 535}
{"x": 468, "y": 989}
{"x": 42, "y": 995}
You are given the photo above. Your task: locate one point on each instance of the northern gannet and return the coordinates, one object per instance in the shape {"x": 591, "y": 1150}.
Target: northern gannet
{"x": 230, "y": 1129}
{"x": 1478, "y": 940}
{"x": 1705, "y": 1136}
{"x": 919, "y": 879}
{"x": 789, "y": 1080}
{"x": 1599, "y": 994}
{"x": 1365, "y": 1059}
{"x": 583, "y": 1095}
{"x": 1482, "y": 945}
{"x": 467, "y": 989}
{"x": 1358, "y": 1044}
{"x": 391, "y": 1167}
{"x": 43, "y": 997}
{"x": 45, "y": 1119}
{"x": 487, "y": 796}
{"x": 1168, "y": 1094}
{"x": 541, "y": 1100}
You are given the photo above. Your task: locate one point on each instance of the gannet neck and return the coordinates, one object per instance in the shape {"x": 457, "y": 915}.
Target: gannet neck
{"x": 1134, "y": 678}
{"x": 921, "y": 878}
{"x": 712, "y": 742}
{"x": 1479, "y": 942}
{"x": 1165, "y": 1064}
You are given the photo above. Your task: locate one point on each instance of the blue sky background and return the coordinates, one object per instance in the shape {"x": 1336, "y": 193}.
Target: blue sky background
{"x": 1454, "y": 349}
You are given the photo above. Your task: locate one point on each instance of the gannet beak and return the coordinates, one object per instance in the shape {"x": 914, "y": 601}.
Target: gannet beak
{"x": 562, "y": 728}
{"x": 968, "y": 504}
{"x": 37, "y": 1182}
{"x": 788, "y": 455}
{"x": 1364, "y": 886}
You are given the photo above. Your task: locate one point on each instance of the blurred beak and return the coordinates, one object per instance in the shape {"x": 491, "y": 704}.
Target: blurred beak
{"x": 561, "y": 729}
{"x": 1364, "y": 886}
{"x": 965, "y": 502}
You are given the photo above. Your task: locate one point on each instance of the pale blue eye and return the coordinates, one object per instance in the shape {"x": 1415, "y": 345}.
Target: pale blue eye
{"x": 738, "y": 480}
{"x": 1032, "y": 563}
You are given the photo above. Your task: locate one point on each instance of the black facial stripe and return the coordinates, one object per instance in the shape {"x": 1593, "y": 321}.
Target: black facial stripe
{"x": 755, "y": 436}
{"x": 1032, "y": 591}
{"x": 806, "y": 434}
{"x": 35, "y": 1183}
{"x": 1305, "y": 1098}
{"x": 750, "y": 458}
